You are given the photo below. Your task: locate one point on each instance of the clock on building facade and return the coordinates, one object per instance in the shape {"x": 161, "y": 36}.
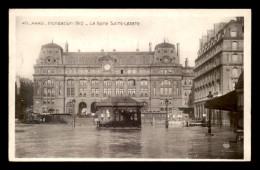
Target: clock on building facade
{"x": 107, "y": 67}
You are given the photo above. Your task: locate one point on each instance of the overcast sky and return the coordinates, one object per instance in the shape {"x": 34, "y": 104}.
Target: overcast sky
{"x": 155, "y": 25}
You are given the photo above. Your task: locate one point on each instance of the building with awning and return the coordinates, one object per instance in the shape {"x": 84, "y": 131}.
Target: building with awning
{"x": 226, "y": 102}
{"x": 233, "y": 102}
{"x": 217, "y": 69}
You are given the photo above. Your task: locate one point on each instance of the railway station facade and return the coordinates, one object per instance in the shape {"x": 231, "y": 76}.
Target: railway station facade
{"x": 88, "y": 77}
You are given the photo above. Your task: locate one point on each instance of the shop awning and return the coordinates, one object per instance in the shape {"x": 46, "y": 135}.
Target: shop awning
{"x": 226, "y": 102}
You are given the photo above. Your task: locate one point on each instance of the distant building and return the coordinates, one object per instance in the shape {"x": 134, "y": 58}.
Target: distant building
{"x": 218, "y": 66}
{"x": 90, "y": 77}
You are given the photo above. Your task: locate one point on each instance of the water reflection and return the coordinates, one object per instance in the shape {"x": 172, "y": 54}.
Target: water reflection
{"x": 85, "y": 141}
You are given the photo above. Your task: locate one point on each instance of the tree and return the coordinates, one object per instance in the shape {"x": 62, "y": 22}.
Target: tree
{"x": 23, "y": 96}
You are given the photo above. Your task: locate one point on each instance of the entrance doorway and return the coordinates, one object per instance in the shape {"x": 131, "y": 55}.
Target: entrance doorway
{"x": 82, "y": 108}
{"x": 93, "y": 107}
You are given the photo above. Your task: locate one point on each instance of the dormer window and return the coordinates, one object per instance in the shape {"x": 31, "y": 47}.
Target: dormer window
{"x": 233, "y": 32}
{"x": 165, "y": 51}
{"x": 158, "y": 51}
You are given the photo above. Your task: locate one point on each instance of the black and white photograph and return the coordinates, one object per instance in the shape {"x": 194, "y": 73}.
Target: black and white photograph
{"x": 129, "y": 85}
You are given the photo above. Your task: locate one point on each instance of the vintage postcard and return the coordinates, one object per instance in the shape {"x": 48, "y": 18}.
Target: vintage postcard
{"x": 129, "y": 85}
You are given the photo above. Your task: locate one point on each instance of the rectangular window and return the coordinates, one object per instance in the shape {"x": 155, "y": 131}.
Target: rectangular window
{"x": 122, "y": 71}
{"x": 233, "y": 33}
{"x": 92, "y": 92}
{"x": 117, "y": 91}
{"x": 52, "y": 92}
{"x": 146, "y": 92}
{"x": 141, "y": 92}
{"x": 121, "y": 92}
{"x": 68, "y": 92}
{"x": 97, "y": 92}
{"x": 48, "y": 92}
{"x": 72, "y": 92}
{"x": 52, "y": 101}
{"x": 44, "y": 92}
{"x": 170, "y": 91}
{"x": 165, "y": 91}
{"x": 161, "y": 91}
{"x": 234, "y": 58}
{"x": 234, "y": 45}
{"x": 133, "y": 92}
{"x": 84, "y": 92}
{"x": 109, "y": 91}
{"x": 80, "y": 92}
{"x": 44, "y": 101}
{"x": 105, "y": 92}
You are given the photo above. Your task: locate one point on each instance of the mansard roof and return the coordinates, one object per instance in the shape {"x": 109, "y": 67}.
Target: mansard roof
{"x": 51, "y": 45}
{"x": 164, "y": 45}
{"x": 105, "y": 53}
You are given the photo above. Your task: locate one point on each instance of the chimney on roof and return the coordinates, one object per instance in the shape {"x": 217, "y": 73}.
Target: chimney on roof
{"x": 210, "y": 34}
{"x": 137, "y": 49}
{"x": 102, "y": 50}
{"x": 150, "y": 47}
{"x": 178, "y": 50}
{"x": 66, "y": 47}
{"x": 204, "y": 39}
{"x": 201, "y": 43}
{"x": 186, "y": 62}
{"x": 217, "y": 27}
{"x": 78, "y": 50}
{"x": 114, "y": 50}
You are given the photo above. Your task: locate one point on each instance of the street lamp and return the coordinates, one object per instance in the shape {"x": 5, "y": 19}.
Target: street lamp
{"x": 73, "y": 102}
{"x": 209, "y": 96}
{"x": 21, "y": 113}
{"x": 166, "y": 119}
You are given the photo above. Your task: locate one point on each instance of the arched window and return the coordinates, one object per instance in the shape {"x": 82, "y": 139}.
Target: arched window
{"x": 165, "y": 88}
{"x": 107, "y": 82}
{"x": 234, "y": 45}
{"x": 233, "y": 32}
{"x": 94, "y": 82}
{"x": 166, "y": 83}
{"x": 131, "y": 82}
{"x": 144, "y": 82}
{"x": 119, "y": 82}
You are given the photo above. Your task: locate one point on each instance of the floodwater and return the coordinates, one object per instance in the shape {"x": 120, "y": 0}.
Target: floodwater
{"x": 85, "y": 141}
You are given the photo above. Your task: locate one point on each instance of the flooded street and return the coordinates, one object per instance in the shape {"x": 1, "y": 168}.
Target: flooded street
{"x": 85, "y": 141}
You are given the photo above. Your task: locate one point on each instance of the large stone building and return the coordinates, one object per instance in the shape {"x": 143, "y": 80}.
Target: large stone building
{"x": 218, "y": 66}
{"x": 89, "y": 77}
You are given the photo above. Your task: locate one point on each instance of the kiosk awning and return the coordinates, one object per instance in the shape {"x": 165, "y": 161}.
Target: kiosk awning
{"x": 226, "y": 102}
